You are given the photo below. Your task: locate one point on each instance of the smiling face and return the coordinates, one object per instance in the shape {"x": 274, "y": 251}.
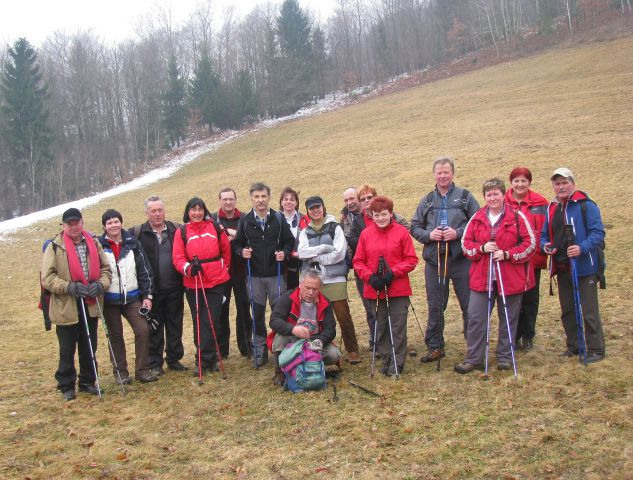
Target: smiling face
{"x": 563, "y": 188}
{"x": 260, "y": 199}
{"x": 228, "y": 202}
{"x": 443, "y": 174}
{"x": 494, "y": 199}
{"x": 350, "y": 197}
{"x": 289, "y": 203}
{"x": 316, "y": 213}
{"x": 382, "y": 218}
{"x": 196, "y": 214}
{"x": 366, "y": 199}
{"x": 155, "y": 212}
{"x": 520, "y": 186}
{"x": 113, "y": 228}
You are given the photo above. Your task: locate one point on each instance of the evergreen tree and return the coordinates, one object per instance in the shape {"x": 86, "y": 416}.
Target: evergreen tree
{"x": 174, "y": 109}
{"x": 271, "y": 61}
{"x": 24, "y": 120}
{"x": 296, "y": 67}
{"x": 245, "y": 98}
{"x": 205, "y": 93}
{"x": 320, "y": 62}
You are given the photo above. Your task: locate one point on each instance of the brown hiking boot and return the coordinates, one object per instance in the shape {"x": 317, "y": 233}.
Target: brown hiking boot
{"x": 465, "y": 367}
{"x": 433, "y": 355}
{"x": 354, "y": 358}
{"x": 412, "y": 351}
{"x": 279, "y": 378}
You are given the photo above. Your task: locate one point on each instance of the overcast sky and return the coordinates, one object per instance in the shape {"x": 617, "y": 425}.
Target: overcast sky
{"x": 112, "y": 20}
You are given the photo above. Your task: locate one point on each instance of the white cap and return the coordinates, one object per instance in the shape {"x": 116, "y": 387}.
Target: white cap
{"x": 562, "y": 172}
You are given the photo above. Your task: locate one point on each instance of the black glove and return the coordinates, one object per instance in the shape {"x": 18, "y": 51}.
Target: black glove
{"x": 149, "y": 316}
{"x": 387, "y": 277}
{"x": 77, "y": 289}
{"x": 376, "y": 282}
{"x": 194, "y": 268}
{"x": 95, "y": 289}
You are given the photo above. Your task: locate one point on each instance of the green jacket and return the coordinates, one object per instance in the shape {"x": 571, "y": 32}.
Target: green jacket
{"x": 56, "y": 277}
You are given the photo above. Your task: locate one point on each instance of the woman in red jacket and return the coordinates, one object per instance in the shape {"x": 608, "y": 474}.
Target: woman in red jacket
{"x": 202, "y": 253}
{"x": 534, "y": 206}
{"x": 385, "y": 239}
{"x": 496, "y": 238}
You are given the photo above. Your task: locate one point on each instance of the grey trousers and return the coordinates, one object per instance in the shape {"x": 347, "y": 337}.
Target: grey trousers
{"x": 330, "y": 353}
{"x": 437, "y": 298}
{"x": 370, "y": 309}
{"x": 478, "y": 322}
{"x": 594, "y": 336}
{"x": 398, "y": 310}
{"x": 263, "y": 288}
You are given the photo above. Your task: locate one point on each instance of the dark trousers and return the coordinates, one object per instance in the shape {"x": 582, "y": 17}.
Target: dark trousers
{"x": 71, "y": 338}
{"x": 202, "y": 328}
{"x": 243, "y": 321}
{"x": 397, "y": 313}
{"x": 594, "y": 336}
{"x": 168, "y": 308}
{"x": 370, "y": 310}
{"x": 112, "y": 314}
{"x": 437, "y": 298}
{"x": 529, "y": 310}
{"x": 264, "y": 288}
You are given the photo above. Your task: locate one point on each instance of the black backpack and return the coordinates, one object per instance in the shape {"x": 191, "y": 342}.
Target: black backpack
{"x": 602, "y": 263}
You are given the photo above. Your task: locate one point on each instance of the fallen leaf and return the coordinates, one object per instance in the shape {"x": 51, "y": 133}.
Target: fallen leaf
{"x": 122, "y": 457}
{"x": 88, "y": 444}
{"x": 322, "y": 469}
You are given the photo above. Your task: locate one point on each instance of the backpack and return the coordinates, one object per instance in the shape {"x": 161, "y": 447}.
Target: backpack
{"x": 45, "y": 295}
{"x": 463, "y": 204}
{"x": 218, "y": 232}
{"x": 303, "y": 367}
{"x": 602, "y": 263}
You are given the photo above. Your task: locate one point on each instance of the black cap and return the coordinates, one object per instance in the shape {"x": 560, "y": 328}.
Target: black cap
{"x": 71, "y": 214}
{"x": 313, "y": 202}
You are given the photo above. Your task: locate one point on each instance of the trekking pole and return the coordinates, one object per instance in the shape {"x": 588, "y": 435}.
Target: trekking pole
{"x": 443, "y": 295}
{"x": 107, "y": 332}
{"x": 393, "y": 347}
{"x": 198, "y": 330}
{"x": 416, "y": 318}
{"x": 490, "y": 267}
{"x": 250, "y": 291}
{"x": 92, "y": 353}
{"x": 375, "y": 340}
{"x": 278, "y": 279}
{"x": 215, "y": 338}
{"x": 505, "y": 311}
{"x": 580, "y": 319}
{"x": 356, "y": 385}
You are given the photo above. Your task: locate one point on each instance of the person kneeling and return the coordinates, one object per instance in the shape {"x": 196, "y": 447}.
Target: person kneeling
{"x": 304, "y": 302}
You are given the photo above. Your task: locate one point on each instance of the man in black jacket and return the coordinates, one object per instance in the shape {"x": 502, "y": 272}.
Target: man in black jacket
{"x": 264, "y": 241}
{"x": 228, "y": 217}
{"x": 157, "y": 238}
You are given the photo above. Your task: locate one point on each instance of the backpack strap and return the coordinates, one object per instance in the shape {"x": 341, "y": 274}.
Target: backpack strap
{"x": 185, "y": 240}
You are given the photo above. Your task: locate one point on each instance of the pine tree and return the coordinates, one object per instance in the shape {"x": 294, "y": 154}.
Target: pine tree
{"x": 174, "y": 108}
{"x": 24, "y": 124}
{"x": 204, "y": 95}
{"x": 245, "y": 98}
{"x": 320, "y": 62}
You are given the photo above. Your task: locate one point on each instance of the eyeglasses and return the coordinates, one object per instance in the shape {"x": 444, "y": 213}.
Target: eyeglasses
{"x": 366, "y": 199}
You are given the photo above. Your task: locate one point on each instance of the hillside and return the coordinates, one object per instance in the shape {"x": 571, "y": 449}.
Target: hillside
{"x": 569, "y": 106}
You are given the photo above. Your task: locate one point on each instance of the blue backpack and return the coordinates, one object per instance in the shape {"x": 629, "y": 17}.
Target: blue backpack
{"x": 303, "y": 367}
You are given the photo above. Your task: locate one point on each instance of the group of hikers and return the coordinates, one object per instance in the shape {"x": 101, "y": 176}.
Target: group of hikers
{"x": 299, "y": 264}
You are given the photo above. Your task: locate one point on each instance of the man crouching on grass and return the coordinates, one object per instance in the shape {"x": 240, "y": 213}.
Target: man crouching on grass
{"x": 305, "y": 302}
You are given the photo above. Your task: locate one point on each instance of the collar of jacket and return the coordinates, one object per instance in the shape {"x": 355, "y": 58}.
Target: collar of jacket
{"x": 236, "y": 214}
{"x": 321, "y": 302}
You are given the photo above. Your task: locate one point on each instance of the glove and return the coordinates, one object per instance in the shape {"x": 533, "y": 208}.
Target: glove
{"x": 95, "y": 289}
{"x": 315, "y": 345}
{"x": 77, "y": 289}
{"x": 194, "y": 268}
{"x": 376, "y": 282}
{"x": 387, "y": 277}
{"x": 149, "y": 316}
{"x": 323, "y": 249}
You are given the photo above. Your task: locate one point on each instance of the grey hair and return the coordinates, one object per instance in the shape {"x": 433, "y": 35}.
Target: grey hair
{"x": 444, "y": 161}
{"x": 493, "y": 184}
{"x": 153, "y": 198}
{"x": 310, "y": 273}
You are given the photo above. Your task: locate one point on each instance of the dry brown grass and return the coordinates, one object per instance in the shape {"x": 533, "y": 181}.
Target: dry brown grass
{"x": 570, "y": 107}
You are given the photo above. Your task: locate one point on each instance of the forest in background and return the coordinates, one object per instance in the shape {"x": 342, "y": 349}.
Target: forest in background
{"x": 78, "y": 115}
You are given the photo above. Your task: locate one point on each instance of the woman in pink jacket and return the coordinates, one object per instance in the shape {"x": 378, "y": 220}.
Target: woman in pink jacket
{"x": 387, "y": 284}
{"x": 202, "y": 254}
{"x": 496, "y": 238}
{"x": 534, "y": 206}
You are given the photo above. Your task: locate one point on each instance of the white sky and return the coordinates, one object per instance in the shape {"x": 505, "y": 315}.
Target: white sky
{"x": 113, "y": 20}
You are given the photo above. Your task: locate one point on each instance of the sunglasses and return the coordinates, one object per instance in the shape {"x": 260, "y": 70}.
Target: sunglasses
{"x": 365, "y": 199}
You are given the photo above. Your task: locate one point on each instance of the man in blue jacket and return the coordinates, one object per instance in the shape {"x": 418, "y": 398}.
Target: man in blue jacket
{"x": 574, "y": 208}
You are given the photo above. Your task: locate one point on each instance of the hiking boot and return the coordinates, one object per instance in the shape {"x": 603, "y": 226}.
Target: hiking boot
{"x": 391, "y": 372}
{"x": 146, "y": 377}
{"x": 412, "y": 351}
{"x": 123, "y": 381}
{"x": 354, "y": 358}
{"x": 279, "y": 378}
{"x": 433, "y": 355}
{"x": 528, "y": 344}
{"x": 177, "y": 366}
{"x": 504, "y": 366}
{"x": 569, "y": 354}
{"x": 157, "y": 371}
{"x": 69, "y": 395}
{"x": 594, "y": 357}
{"x": 261, "y": 361}
{"x": 91, "y": 389}
{"x": 465, "y": 367}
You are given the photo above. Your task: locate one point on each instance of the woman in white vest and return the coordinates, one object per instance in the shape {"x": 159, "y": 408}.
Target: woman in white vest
{"x": 322, "y": 246}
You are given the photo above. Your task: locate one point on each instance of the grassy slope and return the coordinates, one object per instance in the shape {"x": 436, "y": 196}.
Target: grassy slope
{"x": 570, "y": 107}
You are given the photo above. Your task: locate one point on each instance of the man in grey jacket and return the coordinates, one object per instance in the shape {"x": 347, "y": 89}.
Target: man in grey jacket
{"x": 438, "y": 223}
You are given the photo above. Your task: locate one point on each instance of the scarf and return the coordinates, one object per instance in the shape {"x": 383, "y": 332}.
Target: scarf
{"x": 76, "y": 270}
